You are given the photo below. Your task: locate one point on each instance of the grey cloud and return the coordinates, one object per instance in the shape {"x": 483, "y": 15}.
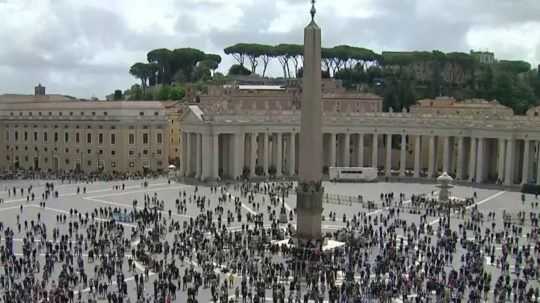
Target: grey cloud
{"x": 61, "y": 50}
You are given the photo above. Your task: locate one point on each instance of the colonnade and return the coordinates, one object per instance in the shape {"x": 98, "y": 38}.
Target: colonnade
{"x": 477, "y": 159}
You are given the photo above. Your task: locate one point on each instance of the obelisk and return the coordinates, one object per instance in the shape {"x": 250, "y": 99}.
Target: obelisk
{"x": 310, "y": 190}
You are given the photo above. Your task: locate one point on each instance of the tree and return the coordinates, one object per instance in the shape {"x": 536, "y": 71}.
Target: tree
{"x": 238, "y": 51}
{"x": 162, "y": 58}
{"x": 284, "y": 53}
{"x": 185, "y": 60}
{"x": 137, "y": 70}
{"x": 117, "y": 95}
{"x": 135, "y": 92}
{"x": 514, "y": 67}
{"x": 266, "y": 52}
{"x": 237, "y": 69}
{"x": 177, "y": 93}
{"x": 163, "y": 93}
{"x": 212, "y": 61}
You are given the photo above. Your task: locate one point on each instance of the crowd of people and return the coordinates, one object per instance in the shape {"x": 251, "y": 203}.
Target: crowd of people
{"x": 225, "y": 243}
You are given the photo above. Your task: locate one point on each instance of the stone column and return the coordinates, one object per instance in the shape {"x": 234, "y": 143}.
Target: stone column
{"x": 187, "y": 171}
{"x": 501, "y": 159}
{"x": 526, "y": 151}
{"x": 446, "y": 154}
{"x": 265, "y": 153}
{"x": 239, "y": 139}
{"x": 388, "y": 155}
{"x": 480, "y": 160}
{"x": 332, "y": 150}
{"x": 375, "y": 151}
{"x": 537, "y": 163}
{"x": 472, "y": 160}
{"x": 347, "y": 151}
{"x": 417, "y": 156}
{"x": 360, "y": 150}
{"x": 509, "y": 170}
{"x": 292, "y": 154}
{"x": 403, "y": 155}
{"x": 431, "y": 164}
{"x": 215, "y": 156}
{"x": 460, "y": 159}
{"x": 182, "y": 155}
{"x": 253, "y": 156}
{"x": 279, "y": 155}
{"x": 198, "y": 157}
{"x": 206, "y": 161}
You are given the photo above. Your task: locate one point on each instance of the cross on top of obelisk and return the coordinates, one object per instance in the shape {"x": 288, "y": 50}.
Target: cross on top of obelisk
{"x": 313, "y": 10}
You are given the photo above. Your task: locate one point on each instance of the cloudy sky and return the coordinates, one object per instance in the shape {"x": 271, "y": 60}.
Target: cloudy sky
{"x": 85, "y": 48}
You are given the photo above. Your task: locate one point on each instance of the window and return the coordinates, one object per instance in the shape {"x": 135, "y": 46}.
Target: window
{"x": 89, "y": 163}
{"x": 105, "y": 114}
{"x": 30, "y": 114}
{"x": 71, "y": 113}
{"x": 89, "y": 138}
{"x": 156, "y": 114}
{"x": 100, "y": 152}
{"x": 159, "y": 138}
{"x": 35, "y": 136}
{"x": 67, "y": 161}
{"x": 141, "y": 114}
{"x": 82, "y": 113}
{"x": 131, "y": 153}
{"x": 55, "y": 137}
{"x": 16, "y": 136}
{"x": 50, "y": 113}
{"x": 25, "y": 136}
{"x": 93, "y": 113}
{"x": 100, "y": 138}
{"x": 131, "y": 139}
{"x": 113, "y": 163}
{"x": 89, "y": 151}
{"x": 77, "y": 138}
{"x": 145, "y": 138}
{"x": 66, "y": 137}
{"x": 39, "y": 114}
{"x": 158, "y": 151}
{"x": 113, "y": 152}
{"x": 145, "y": 152}
{"x": 60, "y": 113}
{"x": 45, "y": 137}
{"x": 67, "y": 150}
{"x": 113, "y": 139}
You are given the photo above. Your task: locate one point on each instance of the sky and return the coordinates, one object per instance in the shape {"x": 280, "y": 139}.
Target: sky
{"x": 85, "y": 48}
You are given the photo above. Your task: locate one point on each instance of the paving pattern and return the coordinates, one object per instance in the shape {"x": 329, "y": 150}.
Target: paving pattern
{"x": 16, "y": 208}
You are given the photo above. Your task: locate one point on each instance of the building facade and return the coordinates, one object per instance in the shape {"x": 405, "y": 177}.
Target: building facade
{"x": 480, "y": 146}
{"x": 52, "y": 133}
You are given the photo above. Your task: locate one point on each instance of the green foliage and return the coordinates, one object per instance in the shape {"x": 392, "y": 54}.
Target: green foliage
{"x": 177, "y": 93}
{"x": 135, "y": 92}
{"x": 163, "y": 93}
{"x": 118, "y": 95}
{"x": 179, "y": 65}
{"x": 238, "y": 69}
{"x": 514, "y": 67}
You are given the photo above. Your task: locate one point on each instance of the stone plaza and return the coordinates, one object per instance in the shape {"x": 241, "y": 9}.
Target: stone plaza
{"x": 341, "y": 202}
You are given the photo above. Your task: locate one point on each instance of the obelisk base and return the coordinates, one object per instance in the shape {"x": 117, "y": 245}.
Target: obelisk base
{"x": 309, "y": 211}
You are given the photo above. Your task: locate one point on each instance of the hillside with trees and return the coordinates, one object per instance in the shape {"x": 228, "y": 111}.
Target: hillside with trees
{"x": 400, "y": 77}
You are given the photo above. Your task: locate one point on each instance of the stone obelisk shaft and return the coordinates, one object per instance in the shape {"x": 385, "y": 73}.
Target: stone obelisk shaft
{"x": 310, "y": 191}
